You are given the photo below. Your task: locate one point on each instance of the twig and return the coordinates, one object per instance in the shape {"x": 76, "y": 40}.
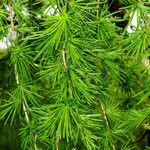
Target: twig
{"x": 105, "y": 115}
{"x": 11, "y": 16}
{"x": 35, "y": 146}
{"x": 25, "y": 112}
{"x": 65, "y": 67}
{"x": 64, "y": 57}
{"x": 16, "y": 74}
{"x": 106, "y": 121}
{"x": 57, "y": 143}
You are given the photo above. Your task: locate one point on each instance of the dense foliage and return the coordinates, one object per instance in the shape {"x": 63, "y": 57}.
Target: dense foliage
{"x": 72, "y": 77}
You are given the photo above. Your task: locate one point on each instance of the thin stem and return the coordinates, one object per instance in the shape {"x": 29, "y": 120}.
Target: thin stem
{"x": 12, "y": 26}
{"x": 106, "y": 121}
{"x": 105, "y": 115}
{"x": 64, "y": 57}
{"x": 65, "y": 67}
{"x": 35, "y": 146}
{"x": 11, "y": 16}
{"x": 16, "y": 74}
{"x": 25, "y": 112}
{"x": 57, "y": 143}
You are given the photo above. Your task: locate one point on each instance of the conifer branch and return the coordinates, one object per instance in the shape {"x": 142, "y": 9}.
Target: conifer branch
{"x": 12, "y": 26}
{"x": 65, "y": 67}
{"x": 16, "y": 72}
{"x": 101, "y": 67}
